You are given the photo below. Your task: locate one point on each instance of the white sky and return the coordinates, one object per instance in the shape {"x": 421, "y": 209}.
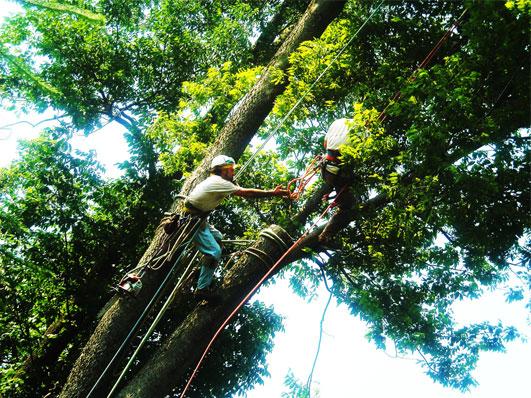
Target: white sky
{"x": 348, "y": 365}
{"x": 108, "y": 142}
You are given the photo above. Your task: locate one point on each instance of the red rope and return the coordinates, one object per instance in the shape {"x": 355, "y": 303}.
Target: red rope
{"x": 304, "y": 180}
{"x": 428, "y": 58}
{"x": 253, "y": 291}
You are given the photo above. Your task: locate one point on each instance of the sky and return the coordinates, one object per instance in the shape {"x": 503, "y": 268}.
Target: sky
{"x": 348, "y": 364}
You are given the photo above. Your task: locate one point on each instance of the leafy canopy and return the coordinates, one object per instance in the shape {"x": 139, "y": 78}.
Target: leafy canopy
{"x": 442, "y": 182}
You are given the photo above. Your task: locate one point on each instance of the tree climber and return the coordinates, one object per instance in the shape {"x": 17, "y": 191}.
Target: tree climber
{"x": 204, "y": 198}
{"x": 338, "y": 179}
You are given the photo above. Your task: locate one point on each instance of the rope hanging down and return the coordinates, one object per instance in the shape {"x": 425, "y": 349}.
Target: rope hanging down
{"x": 310, "y": 376}
{"x": 159, "y": 316}
{"x": 246, "y": 164}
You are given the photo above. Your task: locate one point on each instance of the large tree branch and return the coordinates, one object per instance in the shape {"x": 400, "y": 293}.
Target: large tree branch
{"x": 277, "y": 29}
{"x": 66, "y": 8}
{"x": 33, "y": 125}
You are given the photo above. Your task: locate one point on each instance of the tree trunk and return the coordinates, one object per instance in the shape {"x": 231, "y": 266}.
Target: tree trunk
{"x": 277, "y": 29}
{"x": 119, "y": 319}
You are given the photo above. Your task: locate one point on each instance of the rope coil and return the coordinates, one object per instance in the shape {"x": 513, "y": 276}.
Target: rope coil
{"x": 269, "y": 233}
{"x": 258, "y": 254}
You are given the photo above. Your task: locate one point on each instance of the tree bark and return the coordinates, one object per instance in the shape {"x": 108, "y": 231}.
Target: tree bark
{"x": 277, "y": 29}
{"x": 236, "y": 135}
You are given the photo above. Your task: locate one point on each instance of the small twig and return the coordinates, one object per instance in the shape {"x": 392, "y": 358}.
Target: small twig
{"x": 425, "y": 360}
{"x": 8, "y": 126}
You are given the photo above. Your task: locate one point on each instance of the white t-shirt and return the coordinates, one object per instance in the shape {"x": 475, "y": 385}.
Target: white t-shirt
{"x": 337, "y": 133}
{"x": 211, "y": 192}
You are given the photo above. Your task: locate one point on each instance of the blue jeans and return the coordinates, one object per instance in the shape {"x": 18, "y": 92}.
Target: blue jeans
{"x": 206, "y": 241}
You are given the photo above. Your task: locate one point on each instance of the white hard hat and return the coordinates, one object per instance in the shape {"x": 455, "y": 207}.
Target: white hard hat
{"x": 222, "y": 160}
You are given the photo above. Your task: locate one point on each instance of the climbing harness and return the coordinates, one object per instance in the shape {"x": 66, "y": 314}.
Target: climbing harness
{"x": 131, "y": 283}
{"x": 179, "y": 229}
{"x": 185, "y": 228}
